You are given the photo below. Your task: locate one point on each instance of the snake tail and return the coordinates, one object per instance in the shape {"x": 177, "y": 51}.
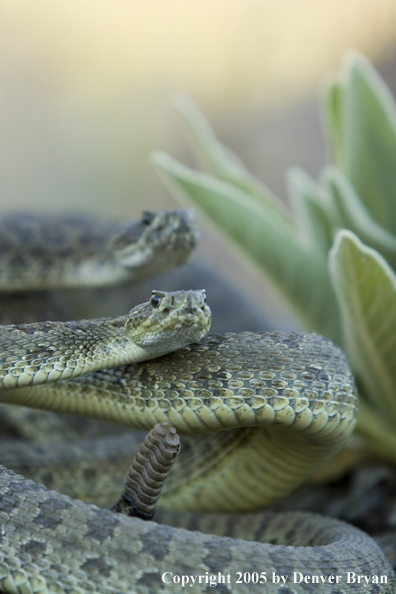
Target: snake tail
{"x": 148, "y": 472}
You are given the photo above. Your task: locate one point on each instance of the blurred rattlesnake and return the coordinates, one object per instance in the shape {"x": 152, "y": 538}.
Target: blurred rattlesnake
{"x": 289, "y": 401}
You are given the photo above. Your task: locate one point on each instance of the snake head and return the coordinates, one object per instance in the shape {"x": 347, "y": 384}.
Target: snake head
{"x": 169, "y": 321}
{"x": 158, "y": 242}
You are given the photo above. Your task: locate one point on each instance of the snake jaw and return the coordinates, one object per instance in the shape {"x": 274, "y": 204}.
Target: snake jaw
{"x": 169, "y": 321}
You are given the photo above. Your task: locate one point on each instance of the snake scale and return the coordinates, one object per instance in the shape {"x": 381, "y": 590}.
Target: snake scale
{"x": 264, "y": 409}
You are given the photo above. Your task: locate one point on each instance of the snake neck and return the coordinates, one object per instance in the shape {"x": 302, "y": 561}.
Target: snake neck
{"x": 34, "y": 354}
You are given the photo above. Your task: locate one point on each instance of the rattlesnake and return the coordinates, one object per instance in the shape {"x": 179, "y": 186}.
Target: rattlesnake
{"x": 290, "y": 403}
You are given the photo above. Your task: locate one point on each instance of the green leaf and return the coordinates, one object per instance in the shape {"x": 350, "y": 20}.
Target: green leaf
{"x": 269, "y": 239}
{"x": 334, "y": 115}
{"x": 349, "y": 212}
{"x": 307, "y": 200}
{"x": 369, "y": 122}
{"x": 215, "y": 158}
{"x": 365, "y": 286}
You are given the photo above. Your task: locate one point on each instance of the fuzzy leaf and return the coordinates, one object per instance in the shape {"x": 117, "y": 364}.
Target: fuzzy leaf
{"x": 269, "y": 239}
{"x": 365, "y": 286}
{"x": 307, "y": 201}
{"x": 215, "y": 158}
{"x": 370, "y": 141}
{"x": 349, "y": 212}
{"x": 334, "y": 105}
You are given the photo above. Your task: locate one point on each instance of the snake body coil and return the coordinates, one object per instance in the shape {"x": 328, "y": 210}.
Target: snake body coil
{"x": 297, "y": 387}
{"x": 51, "y": 543}
{"x": 285, "y": 396}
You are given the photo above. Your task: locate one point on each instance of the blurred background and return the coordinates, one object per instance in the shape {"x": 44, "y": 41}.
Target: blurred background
{"x": 86, "y": 89}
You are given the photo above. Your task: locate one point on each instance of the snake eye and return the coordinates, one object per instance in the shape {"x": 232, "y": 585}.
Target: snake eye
{"x": 147, "y": 217}
{"x": 155, "y": 300}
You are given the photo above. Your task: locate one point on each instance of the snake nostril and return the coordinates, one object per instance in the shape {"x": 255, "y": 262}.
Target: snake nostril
{"x": 166, "y": 311}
